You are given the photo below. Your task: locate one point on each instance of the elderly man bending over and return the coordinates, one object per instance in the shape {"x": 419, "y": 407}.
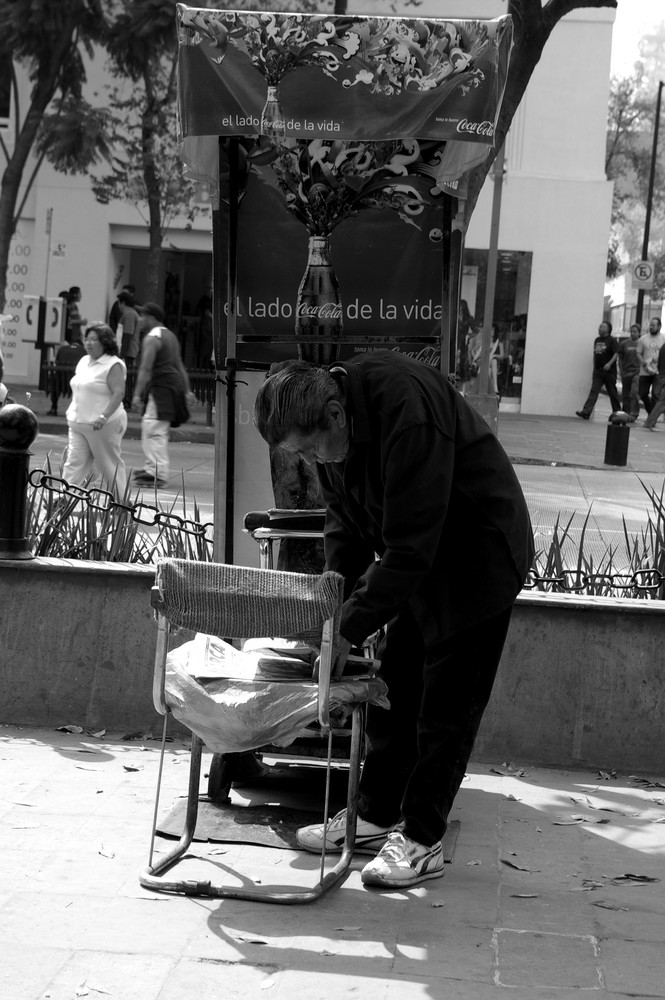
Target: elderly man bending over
{"x": 427, "y": 522}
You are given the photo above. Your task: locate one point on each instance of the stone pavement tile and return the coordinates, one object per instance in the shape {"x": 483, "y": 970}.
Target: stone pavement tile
{"x": 149, "y": 925}
{"x": 27, "y": 969}
{"x": 21, "y": 871}
{"x": 58, "y": 919}
{"x": 634, "y": 967}
{"x": 444, "y": 947}
{"x": 201, "y": 979}
{"x": 97, "y": 975}
{"x": 555, "y": 961}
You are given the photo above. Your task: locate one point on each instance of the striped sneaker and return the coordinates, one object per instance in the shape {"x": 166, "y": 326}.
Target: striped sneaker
{"x": 403, "y": 862}
{"x": 370, "y": 838}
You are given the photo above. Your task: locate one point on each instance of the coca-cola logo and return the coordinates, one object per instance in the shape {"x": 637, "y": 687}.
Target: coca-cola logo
{"x": 320, "y": 311}
{"x": 477, "y": 128}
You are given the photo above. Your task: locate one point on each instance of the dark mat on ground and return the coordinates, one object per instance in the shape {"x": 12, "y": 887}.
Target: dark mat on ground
{"x": 258, "y": 815}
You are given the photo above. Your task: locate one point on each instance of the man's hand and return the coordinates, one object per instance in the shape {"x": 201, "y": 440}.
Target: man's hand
{"x": 340, "y": 653}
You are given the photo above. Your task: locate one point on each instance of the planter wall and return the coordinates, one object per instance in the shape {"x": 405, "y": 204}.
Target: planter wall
{"x": 581, "y": 681}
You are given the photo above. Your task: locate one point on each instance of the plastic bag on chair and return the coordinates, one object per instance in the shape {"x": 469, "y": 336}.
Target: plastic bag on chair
{"x": 237, "y": 701}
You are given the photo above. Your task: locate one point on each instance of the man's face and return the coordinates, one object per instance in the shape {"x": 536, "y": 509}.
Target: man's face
{"x": 603, "y": 330}
{"x": 329, "y": 445}
{"x": 654, "y": 327}
{"x": 635, "y": 333}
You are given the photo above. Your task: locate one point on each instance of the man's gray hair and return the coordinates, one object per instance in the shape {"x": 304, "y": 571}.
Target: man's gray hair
{"x": 294, "y": 399}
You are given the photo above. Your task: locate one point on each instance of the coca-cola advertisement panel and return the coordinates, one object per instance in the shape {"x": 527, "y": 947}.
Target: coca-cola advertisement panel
{"x": 338, "y": 241}
{"x": 341, "y": 77}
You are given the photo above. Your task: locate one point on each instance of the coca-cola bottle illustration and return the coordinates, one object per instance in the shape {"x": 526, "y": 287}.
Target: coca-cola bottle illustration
{"x": 319, "y": 306}
{"x": 272, "y": 116}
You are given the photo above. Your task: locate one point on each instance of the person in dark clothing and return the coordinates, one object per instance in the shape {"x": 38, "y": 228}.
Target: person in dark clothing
{"x": 604, "y": 372}
{"x": 66, "y": 359}
{"x": 115, "y": 315}
{"x": 162, "y": 389}
{"x": 629, "y": 364}
{"x": 428, "y": 525}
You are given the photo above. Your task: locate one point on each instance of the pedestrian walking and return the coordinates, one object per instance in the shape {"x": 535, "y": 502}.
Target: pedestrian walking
{"x": 604, "y": 373}
{"x": 628, "y": 361}
{"x": 658, "y": 408}
{"x": 66, "y": 359}
{"x": 426, "y": 521}
{"x": 96, "y": 418}
{"x": 648, "y": 347}
{"x": 74, "y": 322}
{"x": 163, "y": 392}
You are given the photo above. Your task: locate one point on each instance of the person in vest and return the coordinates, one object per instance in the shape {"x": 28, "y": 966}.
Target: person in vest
{"x": 163, "y": 392}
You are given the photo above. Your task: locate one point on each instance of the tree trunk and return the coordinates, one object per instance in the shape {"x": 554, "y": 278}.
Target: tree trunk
{"x": 152, "y": 187}
{"x": 47, "y": 80}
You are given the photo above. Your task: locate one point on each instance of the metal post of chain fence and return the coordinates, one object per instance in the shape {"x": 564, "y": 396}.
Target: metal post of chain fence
{"x": 18, "y": 429}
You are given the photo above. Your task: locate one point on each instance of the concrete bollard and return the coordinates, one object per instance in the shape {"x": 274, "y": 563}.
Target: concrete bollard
{"x": 616, "y": 442}
{"x": 18, "y": 429}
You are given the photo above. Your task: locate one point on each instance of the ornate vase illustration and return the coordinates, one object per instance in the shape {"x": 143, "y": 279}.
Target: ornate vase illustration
{"x": 319, "y": 314}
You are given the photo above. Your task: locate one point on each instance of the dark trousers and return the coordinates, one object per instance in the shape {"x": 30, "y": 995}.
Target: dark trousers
{"x": 599, "y": 379}
{"x": 419, "y": 749}
{"x": 630, "y": 398}
{"x": 648, "y": 391}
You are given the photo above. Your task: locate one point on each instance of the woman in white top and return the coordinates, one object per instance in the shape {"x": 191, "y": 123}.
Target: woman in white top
{"x": 96, "y": 417}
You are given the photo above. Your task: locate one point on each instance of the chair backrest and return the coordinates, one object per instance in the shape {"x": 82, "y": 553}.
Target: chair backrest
{"x": 244, "y": 602}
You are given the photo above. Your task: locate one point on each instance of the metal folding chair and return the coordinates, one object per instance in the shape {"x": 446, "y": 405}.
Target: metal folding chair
{"x": 240, "y": 602}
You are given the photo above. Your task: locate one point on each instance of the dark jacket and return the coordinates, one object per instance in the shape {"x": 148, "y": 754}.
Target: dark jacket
{"x": 167, "y": 385}
{"x": 429, "y": 489}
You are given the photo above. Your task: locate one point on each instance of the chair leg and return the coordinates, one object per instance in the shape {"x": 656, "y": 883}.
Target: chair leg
{"x": 149, "y": 877}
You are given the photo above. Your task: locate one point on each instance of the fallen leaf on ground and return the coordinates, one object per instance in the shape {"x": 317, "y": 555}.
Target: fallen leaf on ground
{"x": 69, "y": 729}
{"x": 607, "y": 775}
{"x": 133, "y": 767}
{"x": 524, "y": 895}
{"x": 645, "y": 782}
{"x": 354, "y": 928}
{"x": 639, "y": 879}
{"x": 438, "y": 902}
{"x": 520, "y": 868}
{"x": 608, "y": 906}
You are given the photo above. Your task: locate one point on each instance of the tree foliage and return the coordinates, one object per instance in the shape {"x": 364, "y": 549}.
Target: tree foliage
{"x": 630, "y": 132}
{"x": 142, "y": 47}
{"x": 49, "y": 39}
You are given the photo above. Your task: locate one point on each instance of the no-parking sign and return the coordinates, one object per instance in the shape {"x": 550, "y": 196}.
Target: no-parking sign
{"x": 642, "y": 275}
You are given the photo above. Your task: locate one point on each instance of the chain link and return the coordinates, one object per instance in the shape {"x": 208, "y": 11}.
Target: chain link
{"x": 641, "y": 583}
{"x": 101, "y": 500}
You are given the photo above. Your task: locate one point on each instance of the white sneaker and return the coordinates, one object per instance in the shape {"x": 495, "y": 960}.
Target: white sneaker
{"x": 370, "y": 838}
{"x": 403, "y": 862}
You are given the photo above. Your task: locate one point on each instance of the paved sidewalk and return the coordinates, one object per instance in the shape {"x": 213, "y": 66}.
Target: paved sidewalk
{"x": 557, "y": 886}
{"x": 537, "y": 900}
{"x": 527, "y": 438}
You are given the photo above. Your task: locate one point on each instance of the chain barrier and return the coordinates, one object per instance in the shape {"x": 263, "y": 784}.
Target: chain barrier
{"x": 642, "y": 583}
{"x": 147, "y": 515}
